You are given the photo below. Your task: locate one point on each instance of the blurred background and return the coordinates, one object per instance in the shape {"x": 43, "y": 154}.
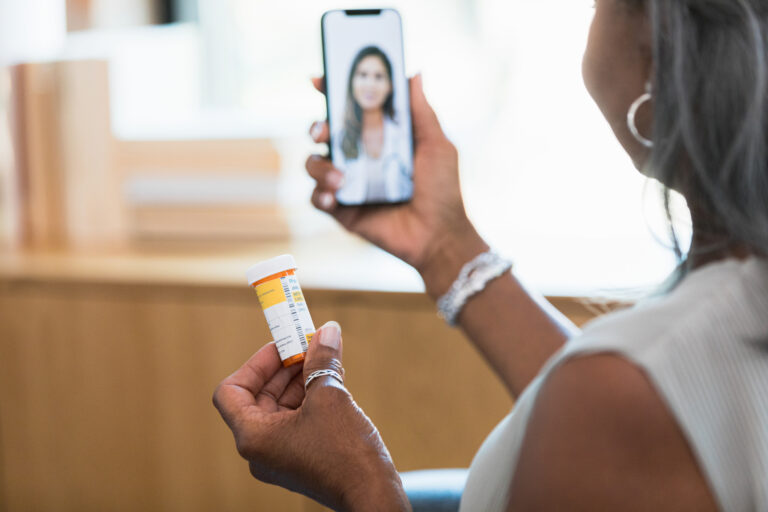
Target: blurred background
{"x": 150, "y": 150}
{"x": 174, "y": 90}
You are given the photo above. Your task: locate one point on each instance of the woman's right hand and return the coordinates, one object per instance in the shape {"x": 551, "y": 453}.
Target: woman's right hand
{"x": 314, "y": 441}
{"x": 432, "y": 221}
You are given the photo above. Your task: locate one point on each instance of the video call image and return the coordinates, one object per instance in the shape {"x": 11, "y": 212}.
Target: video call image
{"x": 369, "y": 118}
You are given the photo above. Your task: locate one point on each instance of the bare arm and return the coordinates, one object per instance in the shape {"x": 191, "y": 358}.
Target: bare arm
{"x": 515, "y": 329}
{"x": 601, "y": 438}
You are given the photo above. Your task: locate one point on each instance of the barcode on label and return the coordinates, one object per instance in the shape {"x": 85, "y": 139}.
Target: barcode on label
{"x": 294, "y": 314}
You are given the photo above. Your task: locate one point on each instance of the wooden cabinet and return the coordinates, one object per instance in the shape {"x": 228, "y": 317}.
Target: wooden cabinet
{"x": 106, "y": 384}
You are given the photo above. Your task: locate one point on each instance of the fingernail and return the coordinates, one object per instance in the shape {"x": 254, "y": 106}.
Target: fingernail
{"x": 335, "y": 180}
{"x": 331, "y": 336}
{"x": 316, "y": 131}
{"x": 326, "y": 201}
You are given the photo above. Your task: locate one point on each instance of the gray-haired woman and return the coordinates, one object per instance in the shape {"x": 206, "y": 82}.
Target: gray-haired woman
{"x": 663, "y": 406}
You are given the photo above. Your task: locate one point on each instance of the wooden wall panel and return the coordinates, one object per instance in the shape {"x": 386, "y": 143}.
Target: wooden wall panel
{"x": 106, "y": 401}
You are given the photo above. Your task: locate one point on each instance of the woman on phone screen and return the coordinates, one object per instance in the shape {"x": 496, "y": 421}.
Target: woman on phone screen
{"x": 371, "y": 141}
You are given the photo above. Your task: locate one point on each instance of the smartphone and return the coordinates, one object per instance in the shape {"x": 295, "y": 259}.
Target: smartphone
{"x": 368, "y": 101}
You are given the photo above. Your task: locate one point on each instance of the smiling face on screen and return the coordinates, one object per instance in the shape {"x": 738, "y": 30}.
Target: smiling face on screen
{"x": 371, "y": 83}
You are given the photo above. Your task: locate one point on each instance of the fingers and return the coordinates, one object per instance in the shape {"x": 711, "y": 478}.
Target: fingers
{"x": 320, "y": 132}
{"x": 294, "y": 393}
{"x": 323, "y": 200}
{"x": 259, "y": 369}
{"x": 240, "y": 389}
{"x": 324, "y": 354}
{"x": 276, "y": 387}
{"x": 324, "y": 173}
{"x": 425, "y": 123}
{"x": 319, "y": 83}
{"x": 231, "y": 400}
{"x": 329, "y": 181}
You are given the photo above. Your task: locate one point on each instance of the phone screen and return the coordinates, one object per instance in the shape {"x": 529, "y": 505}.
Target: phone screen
{"x": 369, "y": 113}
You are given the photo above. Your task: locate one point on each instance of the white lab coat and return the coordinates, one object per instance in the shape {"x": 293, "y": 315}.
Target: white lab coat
{"x": 396, "y": 166}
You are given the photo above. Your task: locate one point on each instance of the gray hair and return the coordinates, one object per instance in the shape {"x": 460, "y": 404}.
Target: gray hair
{"x": 710, "y": 128}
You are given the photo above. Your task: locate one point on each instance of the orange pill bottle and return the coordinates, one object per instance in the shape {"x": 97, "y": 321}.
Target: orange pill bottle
{"x": 284, "y": 306}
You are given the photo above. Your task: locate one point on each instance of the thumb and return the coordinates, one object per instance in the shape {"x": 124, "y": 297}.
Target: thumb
{"x": 425, "y": 123}
{"x": 324, "y": 352}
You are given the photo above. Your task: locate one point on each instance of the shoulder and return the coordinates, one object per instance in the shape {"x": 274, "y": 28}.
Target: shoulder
{"x": 713, "y": 294}
{"x": 600, "y": 437}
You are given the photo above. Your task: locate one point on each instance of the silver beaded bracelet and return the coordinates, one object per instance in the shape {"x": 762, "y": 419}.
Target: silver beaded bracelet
{"x": 473, "y": 278}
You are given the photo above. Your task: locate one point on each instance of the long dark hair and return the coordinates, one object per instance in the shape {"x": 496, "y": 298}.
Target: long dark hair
{"x": 353, "y": 114}
{"x": 710, "y": 127}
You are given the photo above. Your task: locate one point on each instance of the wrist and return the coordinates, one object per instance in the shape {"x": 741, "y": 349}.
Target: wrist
{"x": 448, "y": 255}
{"x": 380, "y": 490}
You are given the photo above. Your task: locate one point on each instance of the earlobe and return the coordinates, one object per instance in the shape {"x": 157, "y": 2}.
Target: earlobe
{"x": 646, "y": 97}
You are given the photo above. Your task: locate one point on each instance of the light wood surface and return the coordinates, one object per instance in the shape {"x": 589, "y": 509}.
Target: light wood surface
{"x": 91, "y": 191}
{"x": 106, "y": 383}
{"x": 199, "y": 156}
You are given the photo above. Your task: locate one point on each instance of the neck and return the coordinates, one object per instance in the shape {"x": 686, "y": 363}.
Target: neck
{"x": 710, "y": 241}
{"x": 708, "y": 248}
{"x": 373, "y": 118}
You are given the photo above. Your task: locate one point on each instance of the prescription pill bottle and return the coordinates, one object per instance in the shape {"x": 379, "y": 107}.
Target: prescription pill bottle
{"x": 284, "y": 306}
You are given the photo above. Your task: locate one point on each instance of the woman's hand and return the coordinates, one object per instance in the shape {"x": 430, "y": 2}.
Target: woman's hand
{"x": 319, "y": 444}
{"x": 432, "y": 221}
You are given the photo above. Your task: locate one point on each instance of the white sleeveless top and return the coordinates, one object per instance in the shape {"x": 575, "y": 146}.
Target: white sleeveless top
{"x": 705, "y": 348}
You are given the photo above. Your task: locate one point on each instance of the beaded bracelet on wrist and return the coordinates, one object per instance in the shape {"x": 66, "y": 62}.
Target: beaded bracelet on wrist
{"x": 472, "y": 279}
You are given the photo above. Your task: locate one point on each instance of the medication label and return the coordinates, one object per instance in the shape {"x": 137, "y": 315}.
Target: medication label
{"x": 287, "y": 315}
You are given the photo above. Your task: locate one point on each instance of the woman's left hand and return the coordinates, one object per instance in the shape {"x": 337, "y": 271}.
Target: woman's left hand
{"x": 319, "y": 444}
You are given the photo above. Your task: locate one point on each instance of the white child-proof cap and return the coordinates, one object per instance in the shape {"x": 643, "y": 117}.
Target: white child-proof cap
{"x": 266, "y": 268}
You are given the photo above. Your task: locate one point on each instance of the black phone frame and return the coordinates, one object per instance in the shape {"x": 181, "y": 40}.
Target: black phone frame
{"x": 364, "y": 12}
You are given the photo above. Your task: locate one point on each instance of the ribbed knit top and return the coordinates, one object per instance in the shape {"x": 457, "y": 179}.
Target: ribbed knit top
{"x": 704, "y": 347}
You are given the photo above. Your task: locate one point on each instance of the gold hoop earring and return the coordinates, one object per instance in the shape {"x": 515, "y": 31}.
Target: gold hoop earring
{"x": 647, "y": 96}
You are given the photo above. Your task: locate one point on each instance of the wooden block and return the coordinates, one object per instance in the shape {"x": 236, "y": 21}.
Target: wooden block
{"x": 208, "y": 223}
{"x": 78, "y": 15}
{"x": 199, "y": 156}
{"x": 95, "y": 212}
{"x": 68, "y": 189}
{"x": 8, "y": 194}
{"x": 38, "y": 158}
{"x": 175, "y": 165}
